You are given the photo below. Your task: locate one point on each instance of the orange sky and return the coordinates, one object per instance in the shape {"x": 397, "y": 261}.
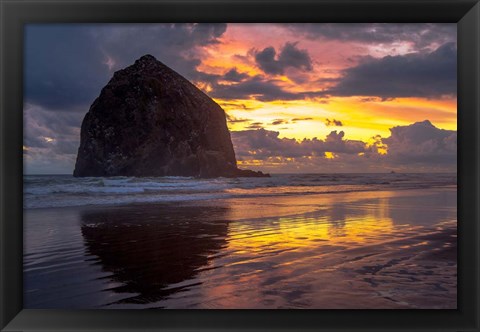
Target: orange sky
{"x": 361, "y": 117}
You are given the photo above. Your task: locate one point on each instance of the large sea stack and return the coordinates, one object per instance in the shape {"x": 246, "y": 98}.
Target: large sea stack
{"x": 151, "y": 121}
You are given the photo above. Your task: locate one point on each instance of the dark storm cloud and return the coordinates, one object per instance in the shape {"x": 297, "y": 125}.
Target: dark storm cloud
{"x": 257, "y": 87}
{"x": 425, "y": 75}
{"x": 289, "y": 57}
{"x": 234, "y": 76}
{"x": 176, "y": 45}
{"x": 67, "y": 65}
{"x": 205, "y": 33}
{"x": 421, "y": 35}
{"x": 267, "y": 62}
{"x": 63, "y": 66}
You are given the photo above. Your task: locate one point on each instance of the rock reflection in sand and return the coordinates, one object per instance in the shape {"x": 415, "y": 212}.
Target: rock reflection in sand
{"x": 150, "y": 248}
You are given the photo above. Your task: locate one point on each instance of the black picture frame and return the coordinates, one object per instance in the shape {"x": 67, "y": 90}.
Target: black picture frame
{"x": 16, "y": 13}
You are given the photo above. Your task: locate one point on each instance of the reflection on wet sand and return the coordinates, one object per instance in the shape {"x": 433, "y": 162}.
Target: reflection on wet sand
{"x": 350, "y": 254}
{"x": 151, "y": 247}
{"x": 359, "y": 250}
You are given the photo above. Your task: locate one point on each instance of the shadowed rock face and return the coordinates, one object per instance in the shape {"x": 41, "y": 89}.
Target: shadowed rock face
{"x": 150, "y": 121}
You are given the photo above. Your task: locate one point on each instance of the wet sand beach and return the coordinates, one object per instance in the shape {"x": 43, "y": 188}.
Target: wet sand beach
{"x": 372, "y": 249}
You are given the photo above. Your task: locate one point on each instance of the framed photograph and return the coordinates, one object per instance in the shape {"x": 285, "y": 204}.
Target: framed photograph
{"x": 263, "y": 166}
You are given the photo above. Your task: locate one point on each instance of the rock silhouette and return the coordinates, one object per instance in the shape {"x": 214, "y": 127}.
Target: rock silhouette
{"x": 151, "y": 121}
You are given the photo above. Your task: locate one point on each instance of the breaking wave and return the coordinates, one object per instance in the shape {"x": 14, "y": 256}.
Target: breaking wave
{"x": 42, "y": 191}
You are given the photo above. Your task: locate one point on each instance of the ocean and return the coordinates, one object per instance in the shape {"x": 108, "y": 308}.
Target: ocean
{"x": 45, "y": 191}
{"x": 303, "y": 241}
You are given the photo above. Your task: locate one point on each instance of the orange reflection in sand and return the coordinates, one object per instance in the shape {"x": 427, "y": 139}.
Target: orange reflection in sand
{"x": 306, "y": 223}
{"x": 327, "y": 251}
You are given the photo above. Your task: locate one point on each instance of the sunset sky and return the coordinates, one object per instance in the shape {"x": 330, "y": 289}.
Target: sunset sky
{"x": 307, "y": 98}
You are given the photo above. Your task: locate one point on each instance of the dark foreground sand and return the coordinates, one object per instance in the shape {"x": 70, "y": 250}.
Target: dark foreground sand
{"x": 395, "y": 249}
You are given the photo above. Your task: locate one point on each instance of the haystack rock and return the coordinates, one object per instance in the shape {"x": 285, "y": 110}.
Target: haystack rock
{"x": 151, "y": 121}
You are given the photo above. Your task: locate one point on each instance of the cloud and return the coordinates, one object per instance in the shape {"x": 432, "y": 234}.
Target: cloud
{"x": 262, "y": 144}
{"x": 178, "y": 45}
{"x": 63, "y": 66}
{"x": 278, "y": 122}
{"x": 334, "y": 142}
{"x": 333, "y": 122}
{"x": 266, "y": 61}
{"x": 232, "y": 119}
{"x": 51, "y": 139}
{"x": 234, "y": 76}
{"x": 417, "y": 147}
{"x": 422, "y": 143}
{"x": 261, "y": 88}
{"x": 66, "y": 65}
{"x": 289, "y": 57}
{"x": 425, "y": 75}
{"x": 59, "y": 131}
{"x": 45, "y": 161}
{"x": 255, "y": 125}
{"x": 420, "y": 35}
{"x": 257, "y": 87}
{"x": 300, "y": 119}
